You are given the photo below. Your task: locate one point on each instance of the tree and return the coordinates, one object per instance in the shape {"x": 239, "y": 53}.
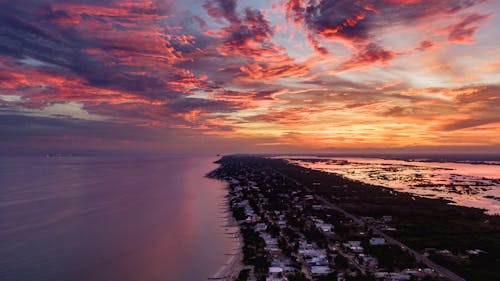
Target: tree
{"x": 341, "y": 261}
{"x": 298, "y": 276}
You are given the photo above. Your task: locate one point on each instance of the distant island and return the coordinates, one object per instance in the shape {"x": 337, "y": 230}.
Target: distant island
{"x": 302, "y": 224}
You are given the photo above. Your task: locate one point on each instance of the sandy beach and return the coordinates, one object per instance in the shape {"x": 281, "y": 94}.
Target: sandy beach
{"x": 233, "y": 266}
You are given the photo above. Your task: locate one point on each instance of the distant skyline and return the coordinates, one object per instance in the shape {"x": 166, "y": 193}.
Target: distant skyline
{"x": 229, "y": 76}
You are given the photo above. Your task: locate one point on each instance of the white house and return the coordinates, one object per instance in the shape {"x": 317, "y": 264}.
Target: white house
{"x": 375, "y": 241}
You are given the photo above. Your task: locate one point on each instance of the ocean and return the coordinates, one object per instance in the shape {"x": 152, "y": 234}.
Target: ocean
{"x": 111, "y": 218}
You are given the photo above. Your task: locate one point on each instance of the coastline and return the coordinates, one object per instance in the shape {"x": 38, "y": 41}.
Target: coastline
{"x": 234, "y": 264}
{"x": 428, "y": 229}
{"x": 461, "y": 184}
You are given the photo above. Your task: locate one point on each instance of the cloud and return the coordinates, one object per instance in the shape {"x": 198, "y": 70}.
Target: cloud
{"x": 469, "y": 123}
{"x": 184, "y": 71}
{"x": 369, "y": 55}
{"x": 295, "y": 10}
{"x": 116, "y": 58}
{"x": 463, "y": 32}
{"x": 360, "y": 24}
{"x": 425, "y": 44}
{"x": 339, "y": 19}
{"x": 251, "y": 29}
{"x": 249, "y": 35}
{"x": 222, "y": 8}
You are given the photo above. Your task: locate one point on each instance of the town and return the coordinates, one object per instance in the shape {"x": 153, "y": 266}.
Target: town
{"x": 290, "y": 233}
{"x": 292, "y": 230}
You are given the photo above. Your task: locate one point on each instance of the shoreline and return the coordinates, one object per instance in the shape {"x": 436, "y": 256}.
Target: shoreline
{"x": 482, "y": 197}
{"x": 234, "y": 264}
{"x": 428, "y": 229}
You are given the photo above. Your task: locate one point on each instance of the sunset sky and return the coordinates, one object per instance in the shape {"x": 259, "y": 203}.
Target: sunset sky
{"x": 249, "y": 76}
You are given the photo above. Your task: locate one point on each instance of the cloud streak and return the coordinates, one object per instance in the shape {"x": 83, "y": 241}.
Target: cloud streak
{"x": 325, "y": 73}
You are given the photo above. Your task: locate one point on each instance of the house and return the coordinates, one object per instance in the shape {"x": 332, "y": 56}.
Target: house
{"x": 376, "y": 241}
{"x": 388, "y": 228}
{"x": 354, "y": 243}
{"x": 475, "y": 252}
{"x": 252, "y": 218}
{"x": 248, "y": 210}
{"x": 319, "y": 260}
{"x": 354, "y": 246}
{"x": 299, "y": 207}
{"x": 282, "y": 223}
{"x": 276, "y": 278}
{"x": 311, "y": 250}
{"x": 367, "y": 261}
{"x": 284, "y": 263}
{"x": 320, "y": 270}
{"x": 260, "y": 227}
{"x": 386, "y": 218}
{"x": 269, "y": 239}
{"x": 275, "y": 270}
{"x": 276, "y": 274}
{"x": 444, "y": 252}
{"x": 242, "y": 203}
{"x": 324, "y": 227}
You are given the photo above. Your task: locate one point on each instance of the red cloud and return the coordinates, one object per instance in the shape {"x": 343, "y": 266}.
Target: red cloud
{"x": 425, "y": 44}
{"x": 463, "y": 32}
{"x": 368, "y": 55}
{"x": 286, "y": 68}
{"x": 294, "y": 10}
{"x": 403, "y": 2}
{"x": 359, "y": 23}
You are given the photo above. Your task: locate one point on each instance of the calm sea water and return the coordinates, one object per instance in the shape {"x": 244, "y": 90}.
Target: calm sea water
{"x": 110, "y": 218}
{"x": 473, "y": 185}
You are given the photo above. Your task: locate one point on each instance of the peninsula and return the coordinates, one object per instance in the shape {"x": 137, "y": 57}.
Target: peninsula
{"x": 302, "y": 224}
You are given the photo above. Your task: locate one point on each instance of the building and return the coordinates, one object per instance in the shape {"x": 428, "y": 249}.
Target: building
{"x": 317, "y": 270}
{"x": 376, "y": 241}
{"x": 354, "y": 246}
{"x": 367, "y": 261}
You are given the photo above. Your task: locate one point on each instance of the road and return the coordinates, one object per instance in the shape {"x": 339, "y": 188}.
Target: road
{"x": 419, "y": 257}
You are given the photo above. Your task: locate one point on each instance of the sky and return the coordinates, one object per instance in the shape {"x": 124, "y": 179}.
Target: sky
{"x": 226, "y": 76}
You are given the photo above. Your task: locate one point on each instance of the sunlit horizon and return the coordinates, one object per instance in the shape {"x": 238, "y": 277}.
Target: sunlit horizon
{"x": 228, "y": 76}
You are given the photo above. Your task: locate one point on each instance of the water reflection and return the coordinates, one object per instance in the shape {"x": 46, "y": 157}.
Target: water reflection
{"x": 472, "y": 185}
{"x": 110, "y": 219}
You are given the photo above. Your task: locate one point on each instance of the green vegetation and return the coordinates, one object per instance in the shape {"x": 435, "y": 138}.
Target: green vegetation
{"x": 253, "y": 250}
{"x": 243, "y": 276}
{"x": 392, "y": 258}
{"x": 299, "y": 276}
{"x": 341, "y": 262}
{"x": 361, "y": 278}
{"x": 238, "y": 213}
